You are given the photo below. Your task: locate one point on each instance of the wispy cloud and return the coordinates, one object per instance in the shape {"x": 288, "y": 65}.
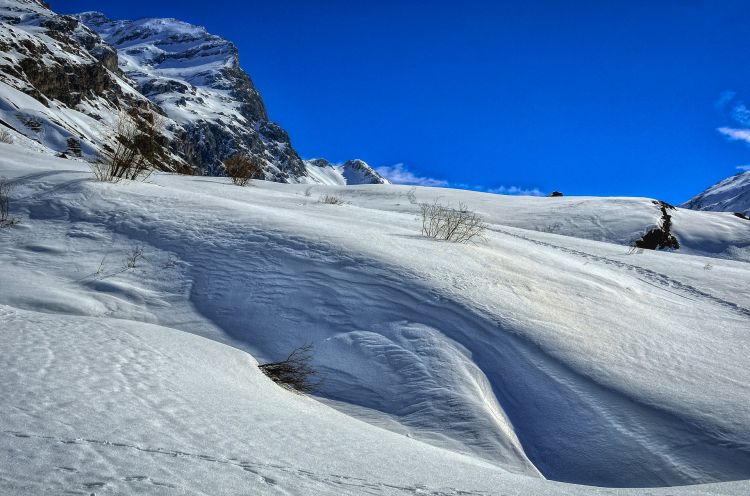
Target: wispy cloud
{"x": 724, "y": 99}
{"x": 515, "y": 190}
{"x": 399, "y": 174}
{"x": 735, "y": 134}
{"x": 740, "y": 114}
{"x": 735, "y": 110}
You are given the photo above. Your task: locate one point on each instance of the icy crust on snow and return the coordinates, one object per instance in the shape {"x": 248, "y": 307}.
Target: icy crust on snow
{"x": 730, "y": 195}
{"x": 597, "y": 364}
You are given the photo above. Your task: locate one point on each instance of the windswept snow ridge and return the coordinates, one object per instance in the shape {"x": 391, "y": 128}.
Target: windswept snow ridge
{"x": 550, "y": 349}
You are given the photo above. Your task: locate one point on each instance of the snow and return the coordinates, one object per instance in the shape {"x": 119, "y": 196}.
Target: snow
{"x": 551, "y": 347}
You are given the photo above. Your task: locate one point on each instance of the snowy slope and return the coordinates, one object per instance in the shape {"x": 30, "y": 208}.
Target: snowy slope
{"x": 730, "y": 195}
{"x": 551, "y": 349}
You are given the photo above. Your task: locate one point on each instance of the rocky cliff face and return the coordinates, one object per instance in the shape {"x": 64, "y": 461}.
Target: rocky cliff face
{"x": 730, "y": 195}
{"x": 195, "y": 77}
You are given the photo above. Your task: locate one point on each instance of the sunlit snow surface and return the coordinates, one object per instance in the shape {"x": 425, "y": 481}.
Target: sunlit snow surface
{"x": 450, "y": 369}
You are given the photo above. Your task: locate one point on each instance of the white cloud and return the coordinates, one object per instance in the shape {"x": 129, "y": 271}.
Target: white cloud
{"x": 744, "y": 167}
{"x": 515, "y": 190}
{"x": 741, "y": 114}
{"x": 735, "y": 134}
{"x": 399, "y": 174}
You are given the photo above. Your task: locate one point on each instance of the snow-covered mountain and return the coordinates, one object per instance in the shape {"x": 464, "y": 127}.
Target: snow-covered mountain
{"x": 730, "y": 195}
{"x": 550, "y": 350}
{"x": 65, "y": 80}
{"x": 351, "y": 172}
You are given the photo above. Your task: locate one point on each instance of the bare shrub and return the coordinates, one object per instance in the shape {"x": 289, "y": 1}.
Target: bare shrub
{"x": 138, "y": 137}
{"x": 411, "y": 195}
{"x": 331, "y": 200}
{"x": 296, "y": 372}
{"x": 6, "y": 188}
{"x": 635, "y": 250}
{"x": 132, "y": 259}
{"x": 134, "y": 255}
{"x": 551, "y": 228}
{"x": 459, "y": 225}
{"x": 6, "y": 137}
{"x": 241, "y": 168}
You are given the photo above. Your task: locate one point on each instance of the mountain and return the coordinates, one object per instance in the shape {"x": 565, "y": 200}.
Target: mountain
{"x": 351, "y": 172}
{"x": 65, "y": 81}
{"x": 196, "y": 79}
{"x": 730, "y": 195}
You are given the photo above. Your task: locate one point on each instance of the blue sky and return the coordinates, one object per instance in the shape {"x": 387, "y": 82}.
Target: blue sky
{"x": 637, "y": 98}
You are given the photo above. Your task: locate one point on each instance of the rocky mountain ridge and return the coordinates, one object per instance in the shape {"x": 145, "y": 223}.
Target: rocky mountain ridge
{"x": 729, "y": 195}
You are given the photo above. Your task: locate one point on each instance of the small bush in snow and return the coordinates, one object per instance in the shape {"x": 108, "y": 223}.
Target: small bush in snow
{"x": 6, "y": 137}
{"x": 296, "y": 372}
{"x": 134, "y": 256}
{"x": 331, "y": 200}
{"x": 241, "y": 168}
{"x": 459, "y": 225}
{"x": 6, "y": 188}
{"x": 137, "y": 140}
{"x": 132, "y": 259}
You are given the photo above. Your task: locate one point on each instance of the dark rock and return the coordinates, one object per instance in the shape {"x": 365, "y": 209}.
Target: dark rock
{"x": 660, "y": 237}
